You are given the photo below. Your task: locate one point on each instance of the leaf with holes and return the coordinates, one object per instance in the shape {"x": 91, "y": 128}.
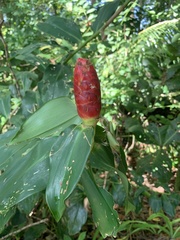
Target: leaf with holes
{"x": 68, "y": 158}
{"x": 25, "y": 170}
{"x": 105, "y": 217}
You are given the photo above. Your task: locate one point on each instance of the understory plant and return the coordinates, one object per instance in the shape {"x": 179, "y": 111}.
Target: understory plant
{"x": 66, "y": 147}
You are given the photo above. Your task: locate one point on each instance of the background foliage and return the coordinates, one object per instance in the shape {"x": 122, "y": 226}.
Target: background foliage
{"x": 137, "y": 56}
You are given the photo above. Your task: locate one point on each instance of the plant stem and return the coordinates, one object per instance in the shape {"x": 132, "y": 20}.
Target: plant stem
{"x": 24, "y": 228}
{"x": 109, "y": 21}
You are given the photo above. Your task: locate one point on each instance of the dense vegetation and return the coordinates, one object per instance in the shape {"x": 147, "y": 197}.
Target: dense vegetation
{"x": 59, "y": 180}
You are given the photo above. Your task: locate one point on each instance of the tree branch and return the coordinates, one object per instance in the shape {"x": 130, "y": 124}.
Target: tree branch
{"x": 24, "y": 228}
{"x": 110, "y": 20}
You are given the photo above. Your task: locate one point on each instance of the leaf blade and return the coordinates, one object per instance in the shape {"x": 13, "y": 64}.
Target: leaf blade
{"x": 61, "y": 28}
{"x": 56, "y": 114}
{"x": 67, "y": 165}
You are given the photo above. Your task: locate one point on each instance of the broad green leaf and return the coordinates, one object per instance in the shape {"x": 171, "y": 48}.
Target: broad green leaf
{"x": 33, "y": 60}
{"x": 68, "y": 158}
{"x": 133, "y": 125}
{"x": 26, "y": 78}
{"x": 61, "y": 28}
{"x": 105, "y": 217}
{"x": 155, "y": 203}
{"x": 7, "y": 136}
{"x": 56, "y": 114}
{"x": 28, "y": 203}
{"x": 76, "y": 216}
{"x": 104, "y": 14}
{"x": 168, "y": 207}
{"x": 118, "y": 193}
{"x": 101, "y": 157}
{"x": 82, "y": 236}
{"x": 29, "y": 49}
{"x": 165, "y": 134}
{"x": 5, "y": 106}
{"x": 5, "y": 216}
{"x": 55, "y": 82}
{"x": 26, "y": 171}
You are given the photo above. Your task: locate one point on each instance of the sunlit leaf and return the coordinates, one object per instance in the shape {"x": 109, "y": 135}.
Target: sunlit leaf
{"x": 55, "y": 115}
{"x": 61, "y": 28}
{"x": 104, "y": 14}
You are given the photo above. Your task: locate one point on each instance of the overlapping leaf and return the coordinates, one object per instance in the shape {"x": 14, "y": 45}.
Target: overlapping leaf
{"x": 104, "y": 14}
{"x": 68, "y": 158}
{"x": 55, "y": 115}
{"x": 61, "y": 28}
{"x": 26, "y": 171}
{"x": 105, "y": 217}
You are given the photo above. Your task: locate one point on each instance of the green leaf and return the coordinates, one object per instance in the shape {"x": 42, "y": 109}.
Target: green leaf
{"x": 104, "y": 14}
{"x": 165, "y": 134}
{"x": 155, "y": 202}
{"x": 55, "y": 82}
{"x": 68, "y": 158}
{"x": 101, "y": 157}
{"x": 5, "y": 216}
{"x": 28, "y": 204}
{"x": 55, "y": 115}
{"x": 118, "y": 193}
{"x": 5, "y": 106}
{"x": 26, "y": 171}
{"x": 61, "y": 28}
{"x": 168, "y": 206}
{"x": 82, "y": 236}
{"x": 29, "y": 49}
{"x": 105, "y": 217}
{"x": 76, "y": 216}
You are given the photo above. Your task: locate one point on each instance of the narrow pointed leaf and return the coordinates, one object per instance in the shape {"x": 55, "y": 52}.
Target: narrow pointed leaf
{"x": 68, "y": 158}
{"x": 55, "y": 115}
{"x": 105, "y": 217}
{"x": 61, "y": 28}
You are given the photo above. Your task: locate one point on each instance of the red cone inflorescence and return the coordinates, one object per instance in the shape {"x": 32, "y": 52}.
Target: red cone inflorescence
{"x": 87, "y": 91}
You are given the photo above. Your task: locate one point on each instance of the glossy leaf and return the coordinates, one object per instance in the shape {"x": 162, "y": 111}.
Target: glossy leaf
{"x": 104, "y": 14}
{"x": 26, "y": 171}
{"x": 76, "y": 216}
{"x": 105, "y": 217}
{"x": 61, "y": 28}
{"x": 68, "y": 158}
{"x": 55, "y": 115}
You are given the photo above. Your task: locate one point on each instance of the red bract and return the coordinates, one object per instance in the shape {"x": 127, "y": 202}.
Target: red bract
{"x": 87, "y": 91}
